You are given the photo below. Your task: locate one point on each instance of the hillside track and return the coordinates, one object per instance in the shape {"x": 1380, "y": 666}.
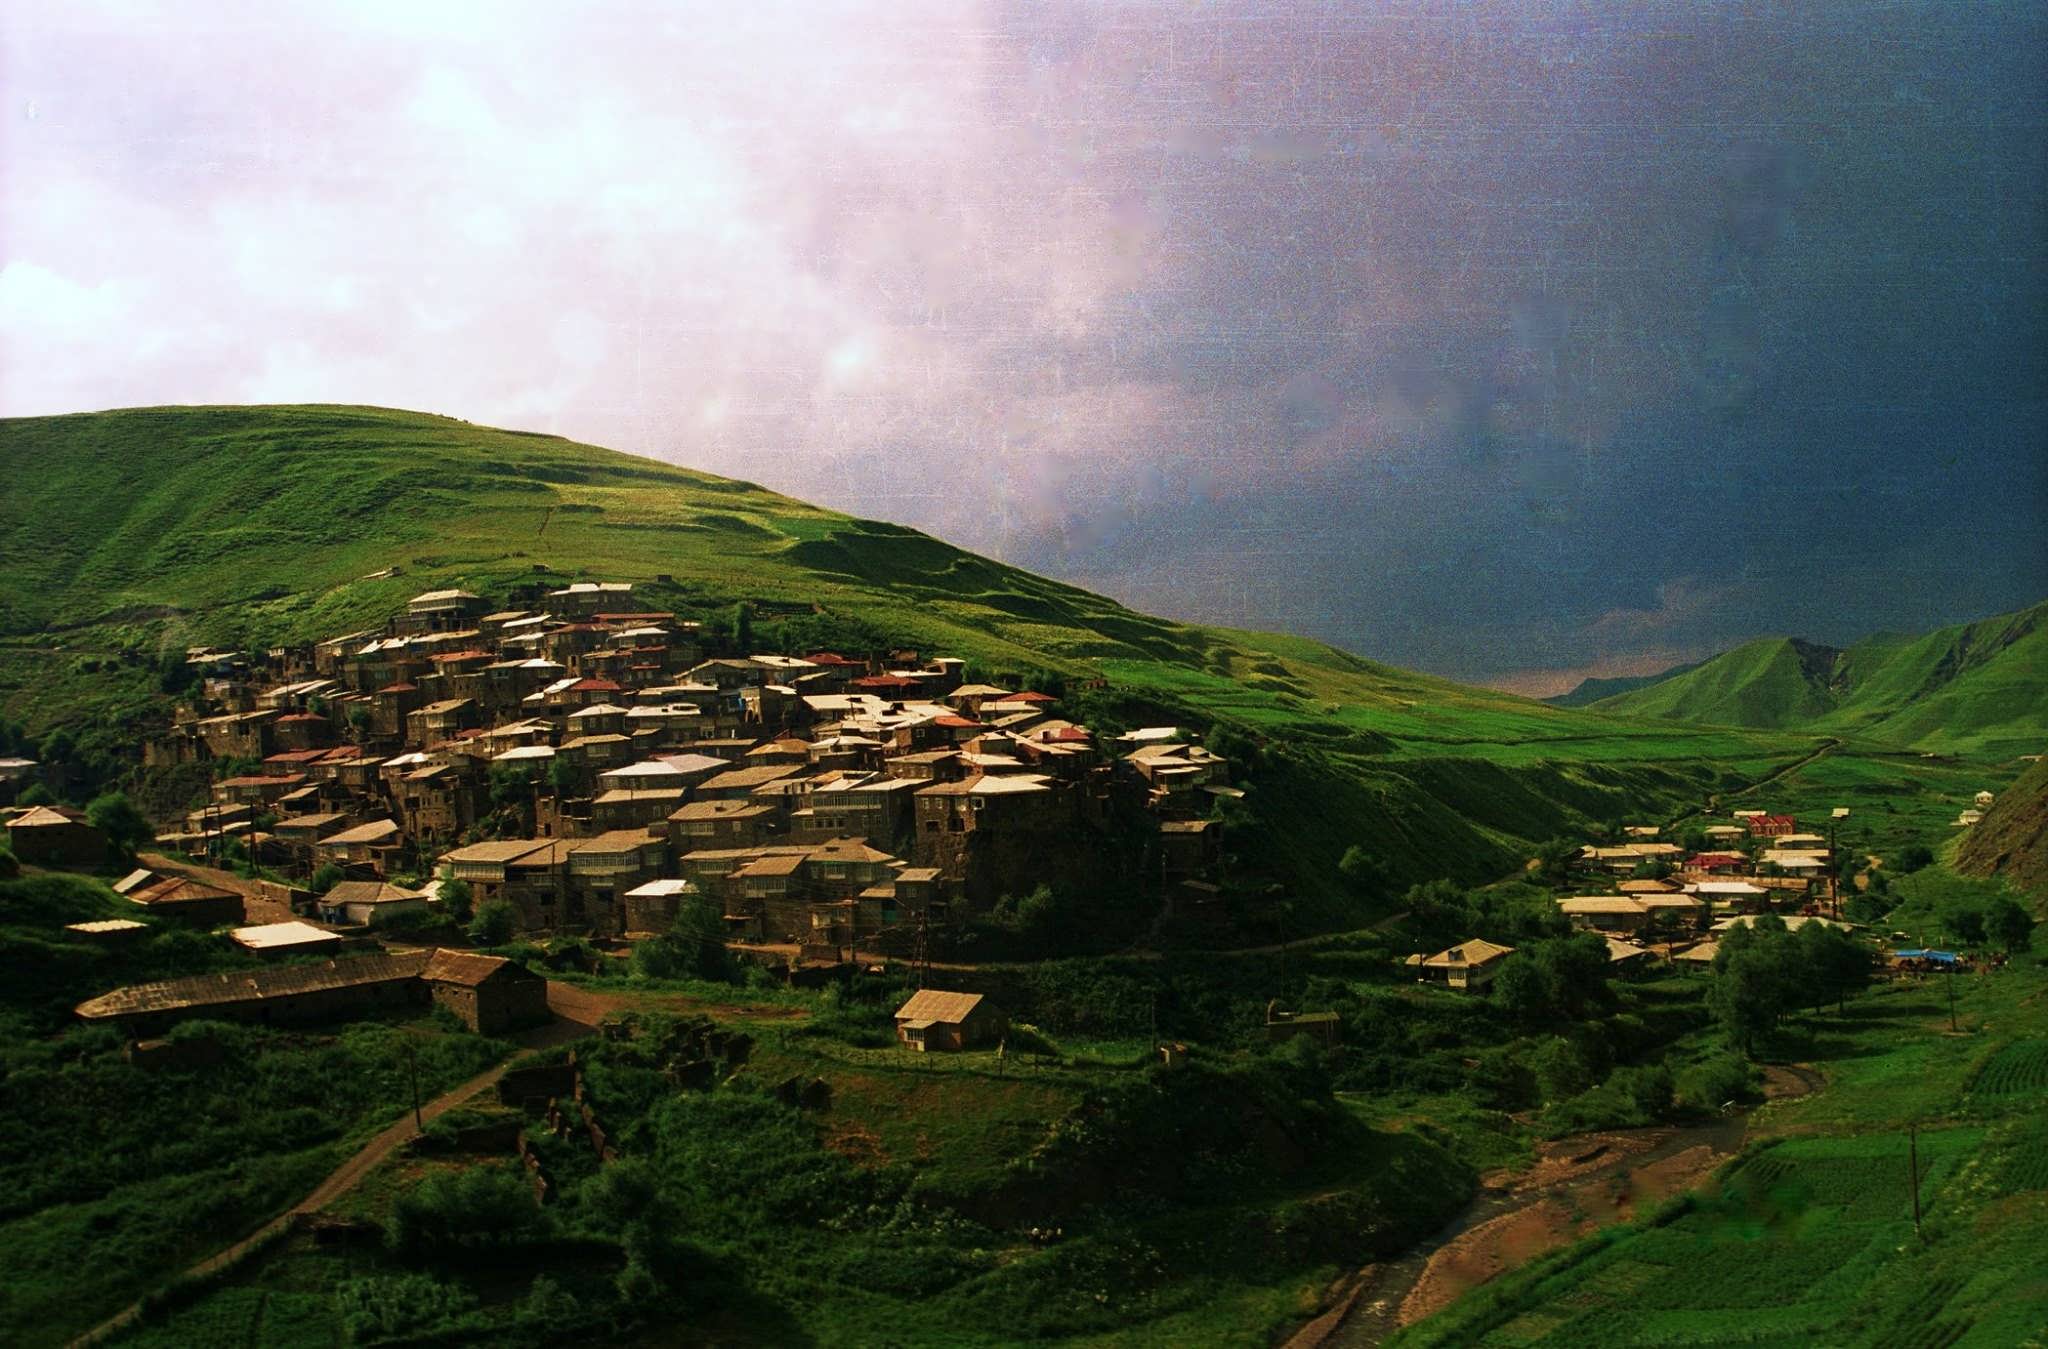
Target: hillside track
{"x": 348, "y": 1175}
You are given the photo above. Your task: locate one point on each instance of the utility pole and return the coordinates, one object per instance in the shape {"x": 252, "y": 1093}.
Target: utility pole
{"x": 412, "y": 1060}
{"x": 1913, "y": 1168}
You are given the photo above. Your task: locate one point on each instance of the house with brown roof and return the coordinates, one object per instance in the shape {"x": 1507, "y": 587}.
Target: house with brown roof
{"x": 364, "y": 847}
{"x": 486, "y": 867}
{"x": 936, "y": 1019}
{"x": 47, "y": 836}
{"x": 276, "y": 994}
{"x": 369, "y": 903}
{"x": 491, "y": 994}
{"x": 186, "y": 900}
{"x": 720, "y": 824}
{"x": 735, "y": 784}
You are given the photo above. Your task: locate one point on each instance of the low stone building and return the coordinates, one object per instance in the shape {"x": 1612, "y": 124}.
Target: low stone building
{"x": 186, "y": 900}
{"x": 276, "y": 995}
{"x": 491, "y": 994}
{"x": 46, "y": 836}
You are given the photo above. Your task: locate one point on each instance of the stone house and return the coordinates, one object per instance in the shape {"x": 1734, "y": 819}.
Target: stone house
{"x": 491, "y": 994}
{"x": 51, "y": 837}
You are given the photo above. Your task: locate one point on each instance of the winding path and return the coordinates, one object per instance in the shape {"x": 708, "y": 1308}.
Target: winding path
{"x": 351, "y": 1172}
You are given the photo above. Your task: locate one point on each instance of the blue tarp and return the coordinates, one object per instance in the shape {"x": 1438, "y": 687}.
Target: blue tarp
{"x": 1948, "y": 957}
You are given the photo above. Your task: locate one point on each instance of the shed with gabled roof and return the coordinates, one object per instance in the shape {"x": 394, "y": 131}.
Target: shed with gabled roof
{"x": 937, "y": 1019}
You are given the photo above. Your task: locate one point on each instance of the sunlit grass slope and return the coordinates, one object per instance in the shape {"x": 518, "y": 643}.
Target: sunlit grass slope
{"x": 1975, "y": 687}
{"x": 160, "y": 527}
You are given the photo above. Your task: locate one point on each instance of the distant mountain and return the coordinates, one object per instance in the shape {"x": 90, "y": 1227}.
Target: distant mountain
{"x": 1979, "y": 687}
{"x": 2012, "y": 838}
{"x": 1591, "y": 691}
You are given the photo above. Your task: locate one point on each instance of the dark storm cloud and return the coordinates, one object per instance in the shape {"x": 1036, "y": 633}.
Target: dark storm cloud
{"x": 1488, "y": 339}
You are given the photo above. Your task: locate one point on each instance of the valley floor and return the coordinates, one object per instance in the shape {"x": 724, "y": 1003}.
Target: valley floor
{"x": 1810, "y": 1236}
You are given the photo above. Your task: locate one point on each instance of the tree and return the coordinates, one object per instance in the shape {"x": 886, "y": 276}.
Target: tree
{"x": 457, "y": 899}
{"x": 1520, "y": 991}
{"x": 326, "y": 878}
{"x": 1912, "y": 858}
{"x": 1755, "y": 982}
{"x": 36, "y": 795}
{"x": 563, "y": 778}
{"x": 1574, "y": 971}
{"x": 1366, "y": 873}
{"x": 2010, "y": 926}
{"x": 1561, "y": 1069}
{"x": 494, "y": 923}
{"x": 116, "y": 816}
{"x": 1554, "y": 861}
{"x": 1965, "y": 922}
{"x": 743, "y": 627}
{"x": 1834, "y": 966}
{"x": 175, "y": 674}
{"x": 692, "y": 948}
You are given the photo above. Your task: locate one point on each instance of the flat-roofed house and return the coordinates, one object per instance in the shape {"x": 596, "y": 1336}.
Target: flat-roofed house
{"x": 651, "y": 908}
{"x": 281, "y": 939}
{"x": 276, "y": 994}
{"x": 1604, "y": 913}
{"x": 602, "y": 869}
{"x": 635, "y": 808}
{"x": 936, "y": 1019}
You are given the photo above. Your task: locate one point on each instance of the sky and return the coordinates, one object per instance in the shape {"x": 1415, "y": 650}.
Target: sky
{"x": 1513, "y": 342}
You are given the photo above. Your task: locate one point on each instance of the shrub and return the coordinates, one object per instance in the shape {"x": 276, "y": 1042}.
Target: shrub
{"x": 1713, "y": 1082}
{"x": 457, "y": 900}
{"x": 465, "y": 1212}
{"x": 9, "y": 867}
{"x": 1911, "y": 858}
{"x": 398, "y": 1305}
{"x": 1561, "y": 1069}
{"x": 494, "y": 923}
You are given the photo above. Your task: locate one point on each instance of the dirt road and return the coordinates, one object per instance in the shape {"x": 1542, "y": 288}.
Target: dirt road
{"x": 351, "y": 1172}
{"x": 1577, "y": 1185}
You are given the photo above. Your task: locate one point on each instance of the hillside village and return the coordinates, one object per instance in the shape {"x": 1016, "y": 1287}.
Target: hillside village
{"x": 595, "y": 765}
{"x": 591, "y": 764}
{"x": 604, "y": 780}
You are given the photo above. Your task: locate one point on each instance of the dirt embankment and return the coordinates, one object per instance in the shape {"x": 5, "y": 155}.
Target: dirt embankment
{"x": 1576, "y": 1186}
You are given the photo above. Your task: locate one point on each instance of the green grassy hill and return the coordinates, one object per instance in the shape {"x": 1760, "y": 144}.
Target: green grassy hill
{"x": 127, "y": 534}
{"x": 1590, "y": 691}
{"x": 2011, "y": 841}
{"x": 1974, "y": 687}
